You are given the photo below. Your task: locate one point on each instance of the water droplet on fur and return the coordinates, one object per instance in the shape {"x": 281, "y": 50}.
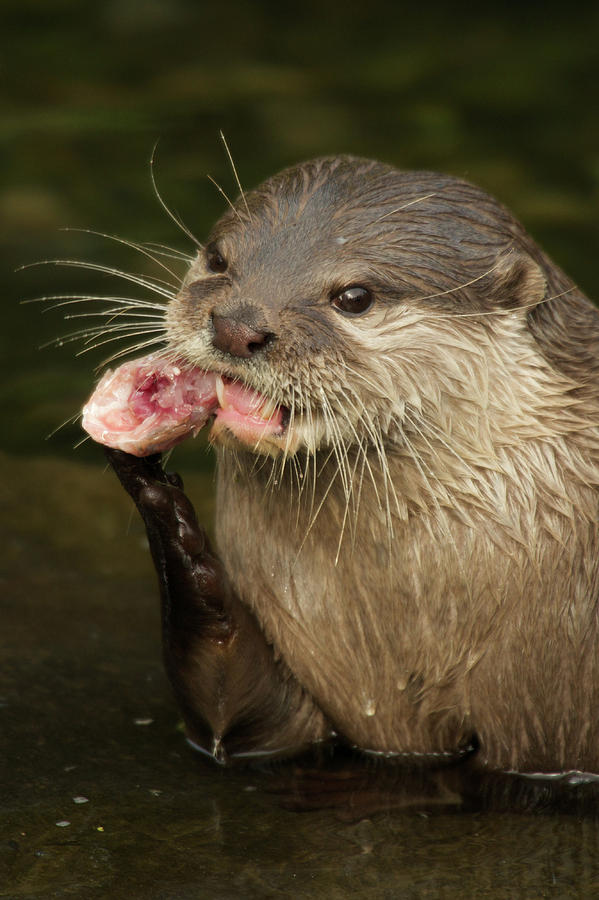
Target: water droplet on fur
{"x": 370, "y": 707}
{"x": 341, "y": 240}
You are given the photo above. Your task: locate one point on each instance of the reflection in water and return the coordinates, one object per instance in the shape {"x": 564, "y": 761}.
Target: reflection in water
{"x": 357, "y": 788}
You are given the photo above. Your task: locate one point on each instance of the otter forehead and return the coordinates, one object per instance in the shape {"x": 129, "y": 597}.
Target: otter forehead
{"x": 324, "y": 203}
{"x": 334, "y": 219}
{"x": 303, "y": 222}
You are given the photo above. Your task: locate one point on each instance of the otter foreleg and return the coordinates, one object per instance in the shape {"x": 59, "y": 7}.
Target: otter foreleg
{"x": 237, "y": 700}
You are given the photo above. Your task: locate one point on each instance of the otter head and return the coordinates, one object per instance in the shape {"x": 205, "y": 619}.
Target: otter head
{"x": 329, "y": 299}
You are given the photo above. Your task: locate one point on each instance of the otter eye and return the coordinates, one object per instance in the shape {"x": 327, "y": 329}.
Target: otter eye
{"x": 215, "y": 261}
{"x": 353, "y": 301}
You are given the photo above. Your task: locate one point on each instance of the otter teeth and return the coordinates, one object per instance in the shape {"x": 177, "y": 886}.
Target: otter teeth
{"x": 220, "y": 391}
{"x": 254, "y": 404}
{"x": 267, "y": 410}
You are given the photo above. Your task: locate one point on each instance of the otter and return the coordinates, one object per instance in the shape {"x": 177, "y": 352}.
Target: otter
{"x": 409, "y": 562}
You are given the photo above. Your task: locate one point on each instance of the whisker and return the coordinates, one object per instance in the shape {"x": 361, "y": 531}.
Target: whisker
{"x": 405, "y": 206}
{"x": 81, "y": 441}
{"x": 332, "y": 426}
{"x": 133, "y": 245}
{"x": 375, "y": 437}
{"x": 315, "y": 516}
{"x": 124, "y": 327}
{"x": 156, "y": 285}
{"x": 142, "y": 345}
{"x": 442, "y": 517}
{"x": 499, "y": 312}
{"x": 175, "y": 218}
{"x": 115, "y": 337}
{"x": 227, "y": 198}
{"x": 73, "y": 299}
{"x": 241, "y": 191}
{"x": 459, "y": 287}
{"x": 165, "y": 250}
{"x": 111, "y": 314}
{"x": 98, "y": 330}
{"x": 70, "y": 421}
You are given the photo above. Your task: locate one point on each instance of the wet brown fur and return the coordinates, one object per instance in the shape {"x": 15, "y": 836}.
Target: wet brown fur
{"x": 421, "y": 548}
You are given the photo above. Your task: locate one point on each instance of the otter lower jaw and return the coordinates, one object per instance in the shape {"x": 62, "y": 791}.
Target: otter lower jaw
{"x": 247, "y": 416}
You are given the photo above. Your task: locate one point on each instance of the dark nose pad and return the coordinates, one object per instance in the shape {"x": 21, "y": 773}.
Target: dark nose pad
{"x": 237, "y": 338}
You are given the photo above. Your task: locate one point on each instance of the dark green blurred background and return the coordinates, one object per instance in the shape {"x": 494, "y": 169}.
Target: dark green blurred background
{"x": 507, "y": 98}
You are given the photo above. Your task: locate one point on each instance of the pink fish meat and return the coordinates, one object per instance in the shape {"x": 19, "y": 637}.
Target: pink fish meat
{"x": 149, "y": 405}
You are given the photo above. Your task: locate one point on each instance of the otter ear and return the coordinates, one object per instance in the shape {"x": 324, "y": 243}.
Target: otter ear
{"x": 514, "y": 281}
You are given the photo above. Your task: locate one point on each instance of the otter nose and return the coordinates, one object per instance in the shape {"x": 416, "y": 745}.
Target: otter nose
{"x": 236, "y": 337}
